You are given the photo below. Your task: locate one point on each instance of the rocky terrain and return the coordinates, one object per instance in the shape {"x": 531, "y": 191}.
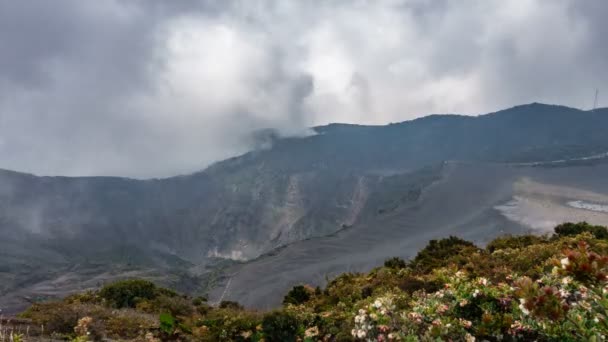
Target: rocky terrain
{"x": 302, "y": 209}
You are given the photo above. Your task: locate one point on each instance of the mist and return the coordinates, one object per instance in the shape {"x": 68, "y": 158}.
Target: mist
{"x": 154, "y": 89}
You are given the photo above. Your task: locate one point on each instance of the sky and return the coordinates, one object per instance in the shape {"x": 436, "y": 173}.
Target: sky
{"x": 158, "y": 88}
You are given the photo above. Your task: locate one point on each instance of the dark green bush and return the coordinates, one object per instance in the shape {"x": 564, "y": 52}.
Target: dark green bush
{"x": 280, "y": 326}
{"x": 395, "y": 263}
{"x": 127, "y": 293}
{"x": 228, "y": 304}
{"x": 297, "y": 295}
{"x": 570, "y": 229}
{"x": 366, "y": 292}
{"x": 514, "y": 241}
{"x": 412, "y": 284}
{"x": 199, "y": 300}
{"x": 441, "y": 253}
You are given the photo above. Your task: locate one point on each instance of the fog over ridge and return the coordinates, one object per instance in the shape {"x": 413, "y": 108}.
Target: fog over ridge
{"x": 155, "y": 88}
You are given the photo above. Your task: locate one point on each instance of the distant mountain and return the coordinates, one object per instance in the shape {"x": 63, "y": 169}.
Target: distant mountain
{"x": 289, "y": 190}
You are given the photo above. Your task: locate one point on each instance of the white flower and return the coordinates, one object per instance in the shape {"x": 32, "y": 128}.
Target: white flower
{"x": 565, "y": 262}
{"x": 566, "y": 280}
{"x": 373, "y": 316}
{"x": 361, "y": 312}
{"x": 483, "y": 281}
{"x": 377, "y": 304}
{"x": 523, "y": 309}
{"x": 469, "y": 338}
{"x": 311, "y": 332}
{"x": 361, "y": 334}
{"x": 353, "y": 332}
{"x": 475, "y": 294}
{"x": 466, "y": 324}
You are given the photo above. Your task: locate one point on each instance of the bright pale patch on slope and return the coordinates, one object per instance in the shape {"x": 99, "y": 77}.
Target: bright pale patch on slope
{"x": 589, "y": 206}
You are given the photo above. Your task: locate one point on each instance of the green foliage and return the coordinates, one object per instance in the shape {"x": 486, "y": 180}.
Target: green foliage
{"x": 395, "y": 263}
{"x": 199, "y": 300}
{"x": 572, "y": 229}
{"x": 412, "y": 284}
{"x": 167, "y": 323}
{"x": 518, "y": 288}
{"x": 128, "y": 325}
{"x": 61, "y": 317}
{"x": 440, "y": 253}
{"x": 126, "y": 293}
{"x": 176, "y": 306}
{"x": 297, "y": 295}
{"x": 514, "y": 242}
{"x": 280, "y": 326}
{"x": 228, "y": 304}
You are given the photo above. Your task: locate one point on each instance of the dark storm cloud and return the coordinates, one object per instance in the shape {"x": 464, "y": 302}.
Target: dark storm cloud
{"x": 155, "y": 88}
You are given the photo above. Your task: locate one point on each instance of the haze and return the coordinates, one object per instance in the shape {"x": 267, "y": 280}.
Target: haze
{"x": 158, "y": 88}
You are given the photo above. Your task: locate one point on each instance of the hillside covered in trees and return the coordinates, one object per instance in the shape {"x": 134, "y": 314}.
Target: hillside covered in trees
{"x": 546, "y": 288}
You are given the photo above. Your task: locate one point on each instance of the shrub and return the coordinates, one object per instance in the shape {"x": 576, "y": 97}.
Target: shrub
{"x": 280, "y": 326}
{"x": 395, "y": 263}
{"x": 441, "y": 253}
{"x": 584, "y": 265}
{"x": 126, "y": 293}
{"x": 519, "y": 288}
{"x": 129, "y": 325}
{"x": 61, "y": 317}
{"x": 366, "y": 292}
{"x": 413, "y": 284}
{"x": 297, "y": 295}
{"x": 228, "y": 304}
{"x": 571, "y": 229}
{"x": 199, "y": 300}
{"x": 167, "y": 323}
{"x": 514, "y": 242}
{"x": 176, "y": 306}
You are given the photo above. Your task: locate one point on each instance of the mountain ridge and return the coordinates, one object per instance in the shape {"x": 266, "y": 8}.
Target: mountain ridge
{"x": 250, "y": 205}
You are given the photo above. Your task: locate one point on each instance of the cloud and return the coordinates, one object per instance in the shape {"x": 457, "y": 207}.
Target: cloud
{"x": 156, "y": 88}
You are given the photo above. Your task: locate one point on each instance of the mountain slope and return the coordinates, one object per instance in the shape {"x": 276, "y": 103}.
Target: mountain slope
{"x": 244, "y": 207}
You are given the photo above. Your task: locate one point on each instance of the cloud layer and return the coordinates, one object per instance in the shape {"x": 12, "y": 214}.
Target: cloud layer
{"x": 157, "y": 88}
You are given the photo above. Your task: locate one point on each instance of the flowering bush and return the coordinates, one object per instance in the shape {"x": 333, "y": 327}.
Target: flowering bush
{"x": 569, "y": 302}
{"x": 518, "y": 288}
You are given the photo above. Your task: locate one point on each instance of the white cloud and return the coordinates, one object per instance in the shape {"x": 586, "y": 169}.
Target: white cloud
{"x": 155, "y": 88}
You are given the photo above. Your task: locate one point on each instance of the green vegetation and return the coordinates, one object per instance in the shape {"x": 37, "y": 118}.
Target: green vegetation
{"x": 126, "y": 293}
{"x": 395, "y": 263}
{"x": 439, "y": 252}
{"x": 571, "y": 229}
{"x": 298, "y": 295}
{"x": 545, "y": 288}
